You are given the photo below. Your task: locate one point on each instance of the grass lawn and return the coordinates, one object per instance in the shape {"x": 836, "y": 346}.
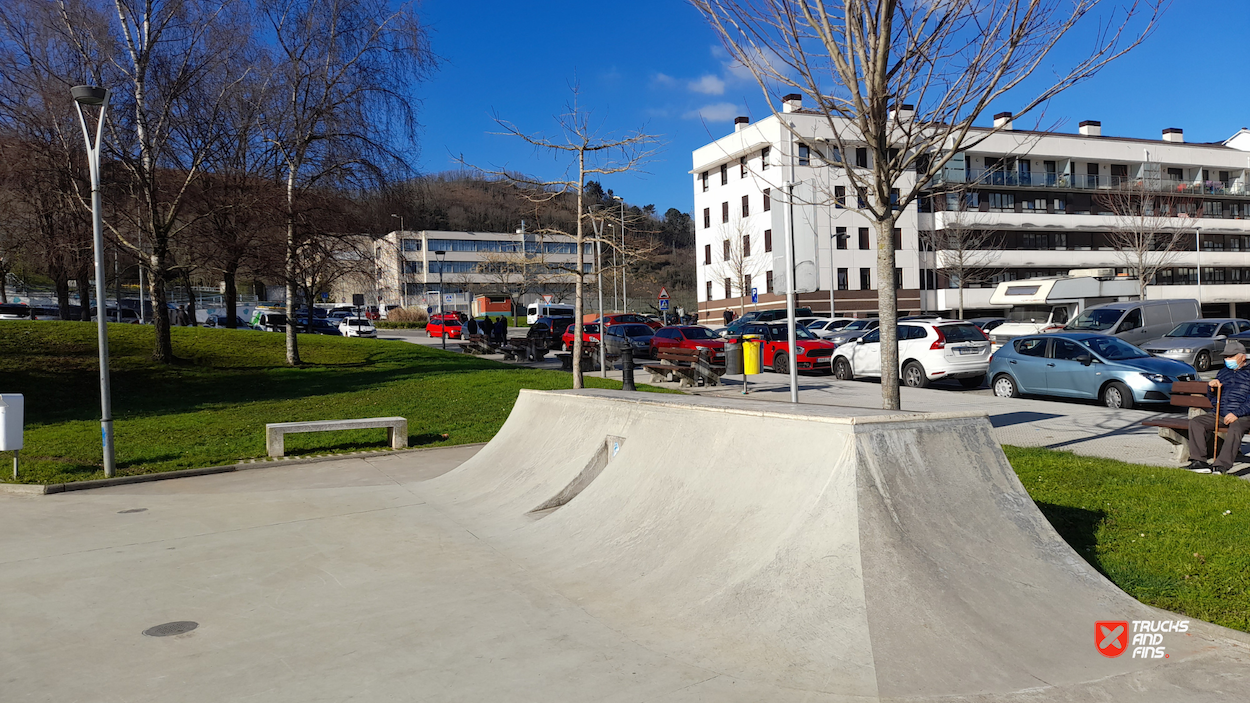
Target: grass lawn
{"x": 211, "y": 408}
{"x": 1169, "y": 538}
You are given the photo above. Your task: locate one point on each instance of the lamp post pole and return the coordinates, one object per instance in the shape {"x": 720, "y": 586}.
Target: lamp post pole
{"x": 91, "y": 95}
{"x": 442, "y": 327}
{"x": 598, "y": 225}
{"x": 624, "y": 295}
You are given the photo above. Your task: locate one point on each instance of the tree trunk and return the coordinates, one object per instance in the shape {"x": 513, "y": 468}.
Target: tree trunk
{"x": 578, "y": 381}
{"x": 4, "y": 287}
{"x": 292, "y": 342}
{"x": 61, "y": 284}
{"x": 84, "y": 294}
{"x": 191, "y": 318}
{"x": 232, "y": 295}
{"x": 887, "y": 307}
{"x": 960, "y": 316}
{"x": 164, "y": 350}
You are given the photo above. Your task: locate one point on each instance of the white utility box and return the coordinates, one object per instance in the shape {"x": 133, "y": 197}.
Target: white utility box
{"x": 11, "y": 410}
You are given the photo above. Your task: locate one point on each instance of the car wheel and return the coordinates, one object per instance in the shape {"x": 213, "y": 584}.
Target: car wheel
{"x": 1117, "y": 395}
{"x": 974, "y": 382}
{"x": 781, "y": 363}
{"x": 1203, "y": 361}
{"x": 914, "y": 375}
{"x": 842, "y": 369}
{"x": 1005, "y": 387}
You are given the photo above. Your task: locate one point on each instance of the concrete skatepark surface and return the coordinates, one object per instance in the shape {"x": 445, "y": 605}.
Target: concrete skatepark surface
{"x": 594, "y": 550}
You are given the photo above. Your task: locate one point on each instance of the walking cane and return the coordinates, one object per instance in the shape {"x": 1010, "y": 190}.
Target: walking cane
{"x": 1215, "y": 441}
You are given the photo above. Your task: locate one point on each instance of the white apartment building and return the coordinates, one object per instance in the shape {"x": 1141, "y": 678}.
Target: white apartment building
{"x": 1043, "y": 194}
{"x": 522, "y": 264}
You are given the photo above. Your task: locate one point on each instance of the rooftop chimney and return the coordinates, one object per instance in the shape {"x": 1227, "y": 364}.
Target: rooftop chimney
{"x": 1091, "y": 128}
{"x": 1174, "y": 134}
{"x": 791, "y": 102}
{"x": 740, "y": 123}
{"x": 1003, "y": 120}
{"x": 905, "y": 111}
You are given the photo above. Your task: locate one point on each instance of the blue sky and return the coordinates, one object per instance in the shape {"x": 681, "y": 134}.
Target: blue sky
{"x": 654, "y": 65}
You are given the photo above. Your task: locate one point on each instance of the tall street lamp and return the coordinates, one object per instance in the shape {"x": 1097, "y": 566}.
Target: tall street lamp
{"x": 91, "y": 95}
{"x": 442, "y": 328}
{"x": 624, "y": 295}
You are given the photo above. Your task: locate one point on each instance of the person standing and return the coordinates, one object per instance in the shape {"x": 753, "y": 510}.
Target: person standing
{"x": 729, "y": 316}
{"x": 1233, "y": 382}
{"x": 472, "y": 325}
{"x": 501, "y": 330}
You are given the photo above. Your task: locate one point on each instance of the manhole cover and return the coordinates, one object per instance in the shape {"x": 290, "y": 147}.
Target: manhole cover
{"x": 171, "y": 628}
{"x": 132, "y": 510}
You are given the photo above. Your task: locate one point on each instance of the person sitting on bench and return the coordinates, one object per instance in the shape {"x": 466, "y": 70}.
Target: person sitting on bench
{"x": 1233, "y": 382}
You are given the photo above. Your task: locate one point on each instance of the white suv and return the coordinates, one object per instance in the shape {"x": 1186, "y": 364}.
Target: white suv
{"x": 357, "y": 327}
{"x": 927, "y": 352}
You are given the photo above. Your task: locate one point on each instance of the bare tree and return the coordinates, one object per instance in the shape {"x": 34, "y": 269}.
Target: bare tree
{"x": 591, "y": 155}
{"x": 906, "y": 81}
{"x": 966, "y": 249}
{"x": 737, "y": 265}
{"x": 339, "y": 102}
{"x": 1145, "y": 234}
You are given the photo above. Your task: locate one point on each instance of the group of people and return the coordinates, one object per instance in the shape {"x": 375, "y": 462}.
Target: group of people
{"x": 496, "y": 330}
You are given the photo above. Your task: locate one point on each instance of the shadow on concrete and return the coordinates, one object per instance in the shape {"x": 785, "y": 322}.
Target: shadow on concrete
{"x": 1019, "y": 418}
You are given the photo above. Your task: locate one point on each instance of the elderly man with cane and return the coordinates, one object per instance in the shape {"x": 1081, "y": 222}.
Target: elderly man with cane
{"x": 1229, "y": 393}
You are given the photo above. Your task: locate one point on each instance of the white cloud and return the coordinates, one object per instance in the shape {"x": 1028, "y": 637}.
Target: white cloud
{"x": 716, "y": 112}
{"x": 708, "y": 85}
{"x": 663, "y": 80}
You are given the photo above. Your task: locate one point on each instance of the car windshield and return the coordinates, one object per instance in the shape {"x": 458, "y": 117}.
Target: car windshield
{"x": 1194, "y": 329}
{"x": 800, "y": 332}
{"x": 358, "y": 323}
{"x": 1029, "y": 313}
{"x": 698, "y": 333}
{"x": 856, "y": 325}
{"x": 962, "y": 333}
{"x": 634, "y": 331}
{"x": 1113, "y": 348}
{"x": 1098, "y": 319}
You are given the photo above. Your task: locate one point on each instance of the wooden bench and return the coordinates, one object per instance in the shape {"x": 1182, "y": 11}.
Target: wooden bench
{"x": 590, "y": 358}
{"x": 478, "y": 344}
{"x": 275, "y": 432}
{"x": 525, "y": 349}
{"x": 692, "y": 367}
{"x": 1185, "y": 394}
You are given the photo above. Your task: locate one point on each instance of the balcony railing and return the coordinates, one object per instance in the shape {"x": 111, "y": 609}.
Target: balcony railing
{"x": 1064, "y": 181}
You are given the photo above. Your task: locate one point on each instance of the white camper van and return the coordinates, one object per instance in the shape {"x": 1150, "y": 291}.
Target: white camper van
{"x": 540, "y": 309}
{"x": 1047, "y": 304}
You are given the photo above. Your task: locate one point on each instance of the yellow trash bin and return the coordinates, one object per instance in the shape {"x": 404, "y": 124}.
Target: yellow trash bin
{"x": 751, "y": 348}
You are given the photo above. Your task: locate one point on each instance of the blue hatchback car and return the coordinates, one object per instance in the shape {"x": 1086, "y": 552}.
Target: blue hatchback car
{"x": 1076, "y": 365}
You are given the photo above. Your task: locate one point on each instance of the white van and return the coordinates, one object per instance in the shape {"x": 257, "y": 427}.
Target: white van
{"x": 1136, "y": 322}
{"x": 537, "y": 310}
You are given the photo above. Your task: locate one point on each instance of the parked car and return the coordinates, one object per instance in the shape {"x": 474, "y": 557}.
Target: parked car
{"x": 268, "y": 320}
{"x": 813, "y": 353}
{"x": 927, "y": 351}
{"x": 629, "y": 318}
{"x": 987, "y": 324}
{"x": 357, "y": 327}
{"x": 825, "y": 327}
{"x": 854, "y": 329}
{"x": 689, "y": 337}
{"x": 447, "y": 323}
{"x": 635, "y": 335}
{"x": 336, "y": 316}
{"x": 1196, "y": 342}
{"x": 17, "y": 311}
{"x": 1136, "y": 321}
{"x": 326, "y": 327}
{"x": 590, "y": 333}
{"x": 775, "y": 315}
{"x": 1083, "y": 365}
{"x": 549, "y": 329}
{"x": 220, "y": 321}
{"x": 126, "y": 315}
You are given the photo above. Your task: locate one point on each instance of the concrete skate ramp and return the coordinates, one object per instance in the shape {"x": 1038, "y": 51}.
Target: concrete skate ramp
{"x": 845, "y": 555}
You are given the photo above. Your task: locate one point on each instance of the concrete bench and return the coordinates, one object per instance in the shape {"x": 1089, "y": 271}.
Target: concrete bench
{"x": 275, "y": 432}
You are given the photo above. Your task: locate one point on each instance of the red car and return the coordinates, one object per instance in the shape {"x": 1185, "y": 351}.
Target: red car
{"x": 815, "y": 354}
{"x": 689, "y": 337}
{"x": 629, "y": 318}
{"x": 449, "y": 322}
{"x": 590, "y": 333}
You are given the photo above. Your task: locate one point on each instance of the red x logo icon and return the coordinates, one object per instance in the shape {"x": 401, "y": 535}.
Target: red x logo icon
{"x": 1111, "y": 637}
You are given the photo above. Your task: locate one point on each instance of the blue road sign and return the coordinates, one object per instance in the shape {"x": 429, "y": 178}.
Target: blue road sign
{"x": 664, "y": 304}
{"x": 755, "y": 295}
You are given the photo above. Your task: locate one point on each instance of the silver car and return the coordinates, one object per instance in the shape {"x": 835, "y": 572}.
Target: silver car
{"x": 854, "y": 330}
{"x": 1196, "y": 342}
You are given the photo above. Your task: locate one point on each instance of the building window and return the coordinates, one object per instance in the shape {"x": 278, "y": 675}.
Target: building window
{"x": 742, "y": 167}
{"x": 412, "y": 266}
{"x": 768, "y": 281}
{"x": 898, "y": 238}
{"x": 709, "y": 291}
{"x": 805, "y": 155}
{"x": 746, "y": 207}
{"x": 841, "y": 237}
{"x": 861, "y": 157}
{"x": 746, "y": 245}
{"x": 865, "y": 279}
{"x": 839, "y": 197}
{"x": 707, "y": 253}
{"x": 728, "y": 288}
{"x": 707, "y": 217}
{"x": 843, "y": 275}
{"x": 764, "y": 153}
{"x": 768, "y": 240}
{"x": 746, "y": 284}
{"x": 412, "y": 245}
{"x": 724, "y": 174}
{"x": 768, "y": 199}
{"x": 726, "y": 243}
{"x": 703, "y": 177}
{"x": 724, "y": 212}
{"x": 864, "y": 242}
{"x": 898, "y": 279}
{"x": 894, "y": 198}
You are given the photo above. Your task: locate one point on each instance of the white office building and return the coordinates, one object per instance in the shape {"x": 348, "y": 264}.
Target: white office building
{"x": 1044, "y": 195}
